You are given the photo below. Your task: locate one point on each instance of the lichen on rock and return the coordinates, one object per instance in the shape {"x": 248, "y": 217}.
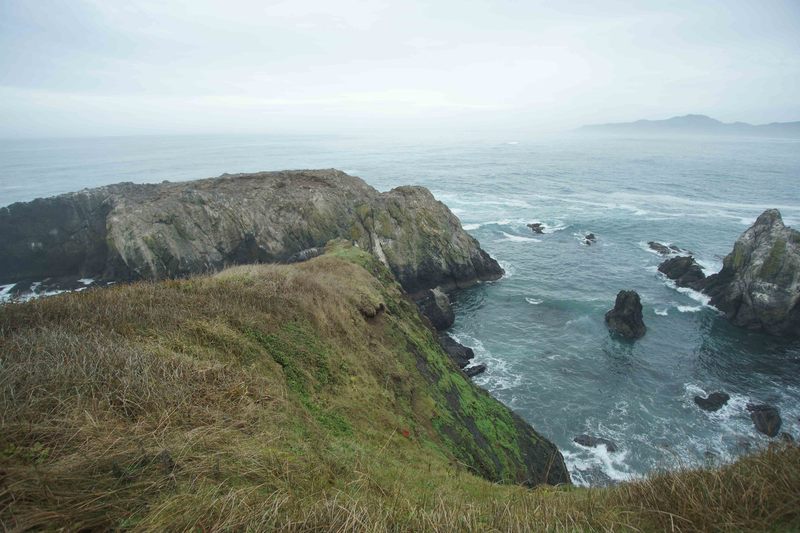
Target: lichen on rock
{"x": 169, "y": 230}
{"x": 759, "y": 285}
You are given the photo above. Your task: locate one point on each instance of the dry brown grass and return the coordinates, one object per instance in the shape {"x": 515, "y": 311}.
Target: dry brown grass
{"x": 174, "y": 406}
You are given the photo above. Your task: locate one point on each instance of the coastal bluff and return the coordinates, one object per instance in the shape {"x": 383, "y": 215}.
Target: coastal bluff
{"x": 132, "y": 231}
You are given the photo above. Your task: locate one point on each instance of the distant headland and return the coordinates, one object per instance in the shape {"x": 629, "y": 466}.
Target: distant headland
{"x": 696, "y": 125}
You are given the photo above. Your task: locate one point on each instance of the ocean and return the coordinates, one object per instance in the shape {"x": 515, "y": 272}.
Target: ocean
{"x": 540, "y": 329}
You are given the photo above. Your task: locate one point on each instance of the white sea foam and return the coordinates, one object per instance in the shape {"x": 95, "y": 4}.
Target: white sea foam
{"x": 688, "y": 308}
{"x": 5, "y": 293}
{"x": 697, "y": 296}
{"x": 501, "y": 222}
{"x": 498, "y": 375}
{"x": 709, "y": 266}
{"x": 703, "y": 299}
{"x": 508, "y": 267}
{"x": 533, "y": 301}
{"x": 86, "y": 281}
{"x": 661, "y": 312}
{"x": 734, "y": 409}
{"x": 583, "y": 460}
{"x": 555, "y": 227}
{"x": 517, "y": 238}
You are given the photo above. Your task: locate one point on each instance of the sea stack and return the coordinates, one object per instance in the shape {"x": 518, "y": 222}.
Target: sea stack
{"x": 758, "y": 287}
{"x": 626, "y": 319}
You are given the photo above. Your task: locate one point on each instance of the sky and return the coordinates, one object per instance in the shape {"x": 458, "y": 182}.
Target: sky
{"x": 113, "y": 67}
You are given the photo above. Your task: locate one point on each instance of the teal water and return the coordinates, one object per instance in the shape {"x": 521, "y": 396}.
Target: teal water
{"x": 540, "y": 329}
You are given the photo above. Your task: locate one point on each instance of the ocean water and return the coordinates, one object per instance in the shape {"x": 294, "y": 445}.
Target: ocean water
{"x": 540, "y": 329}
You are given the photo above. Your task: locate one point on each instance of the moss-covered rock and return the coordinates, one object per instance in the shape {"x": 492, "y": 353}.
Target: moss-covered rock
{"x": 759, "y": 284}
{"x": 168, "y": 230}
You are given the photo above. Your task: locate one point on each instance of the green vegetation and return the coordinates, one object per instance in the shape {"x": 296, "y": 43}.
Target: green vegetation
{"x": 772, "y": 264}
{"x": 305, "y": 397}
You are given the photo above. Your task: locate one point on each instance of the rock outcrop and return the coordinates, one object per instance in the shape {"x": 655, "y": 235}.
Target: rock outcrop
{"x": 435, "y": 306}
{"x": 759, "y": 285}
{"x": 166, "y": 230}
{"x": 766, "y": 418}
{"x": 460, "y": 354}
{"x": 625, "y": 319}
{"x": 684, "y": 271}
{"x": 476, "y": 370}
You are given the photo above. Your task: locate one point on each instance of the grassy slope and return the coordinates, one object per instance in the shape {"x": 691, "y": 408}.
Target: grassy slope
{"x": 269, "y": 397}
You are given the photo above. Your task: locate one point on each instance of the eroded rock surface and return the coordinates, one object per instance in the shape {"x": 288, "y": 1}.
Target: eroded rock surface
{"x": 684, "y": 271}
{"x": 434, "y": 304}
{"x": 625, "y": 319}
{"x": 714, "y": 402}
{"x": 155, "y": 231}
{"x": 759, "y": 285}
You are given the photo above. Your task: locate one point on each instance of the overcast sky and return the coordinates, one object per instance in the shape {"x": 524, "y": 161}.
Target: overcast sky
{"x": 108, "y": 67}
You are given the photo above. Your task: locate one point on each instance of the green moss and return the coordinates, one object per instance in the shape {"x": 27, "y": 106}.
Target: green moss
{"x": 300, "y": 352}
{"x": 773, "y": 262}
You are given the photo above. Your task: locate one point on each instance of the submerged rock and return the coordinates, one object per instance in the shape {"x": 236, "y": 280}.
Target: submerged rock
{"x": 589, "y": 239}
{"x": 758, "y": 287}
{"x": 537, "y": 227}
{"x": 592, "y": 442}
{"x": 714, "y": 402}
{"x": 155, "y": 231}
{"x": 460, "y": 354}
{"x": 766, "y": 418}
{"x": 473, "y": 371}
{"x": 665, "y": 249}
{"x": 626, "y": 318}
{"x": 435, "y": 305}
{"x": 684, "y": 271}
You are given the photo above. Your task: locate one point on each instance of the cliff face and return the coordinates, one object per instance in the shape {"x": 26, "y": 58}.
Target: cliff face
{"x": 305, "y": 381}
{"x": 759, "y": 284}
{"x": 166, "y": 230}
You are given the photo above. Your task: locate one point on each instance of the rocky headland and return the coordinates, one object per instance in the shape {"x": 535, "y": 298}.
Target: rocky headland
{"x": 168, "y": 230}
{"x": 130, "y": 232}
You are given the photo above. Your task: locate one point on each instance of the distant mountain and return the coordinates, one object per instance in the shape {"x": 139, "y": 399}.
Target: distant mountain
{"x": 696, "y": 125}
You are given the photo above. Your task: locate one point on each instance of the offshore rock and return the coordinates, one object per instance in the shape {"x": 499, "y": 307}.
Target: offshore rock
{"x": 665, "y": 249}
{"x": 476, "y": 370}
{"x": 684, "y": 271}
{"x": 714, "y": 402}
{"x": 536, "y": 227}
{"x": 435, "y": 306}
{"x": 155, "y": 231}
{"x": 758, "y": 287}
{"x": 626, "y": 318}
{"x": 766, "y": 418}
